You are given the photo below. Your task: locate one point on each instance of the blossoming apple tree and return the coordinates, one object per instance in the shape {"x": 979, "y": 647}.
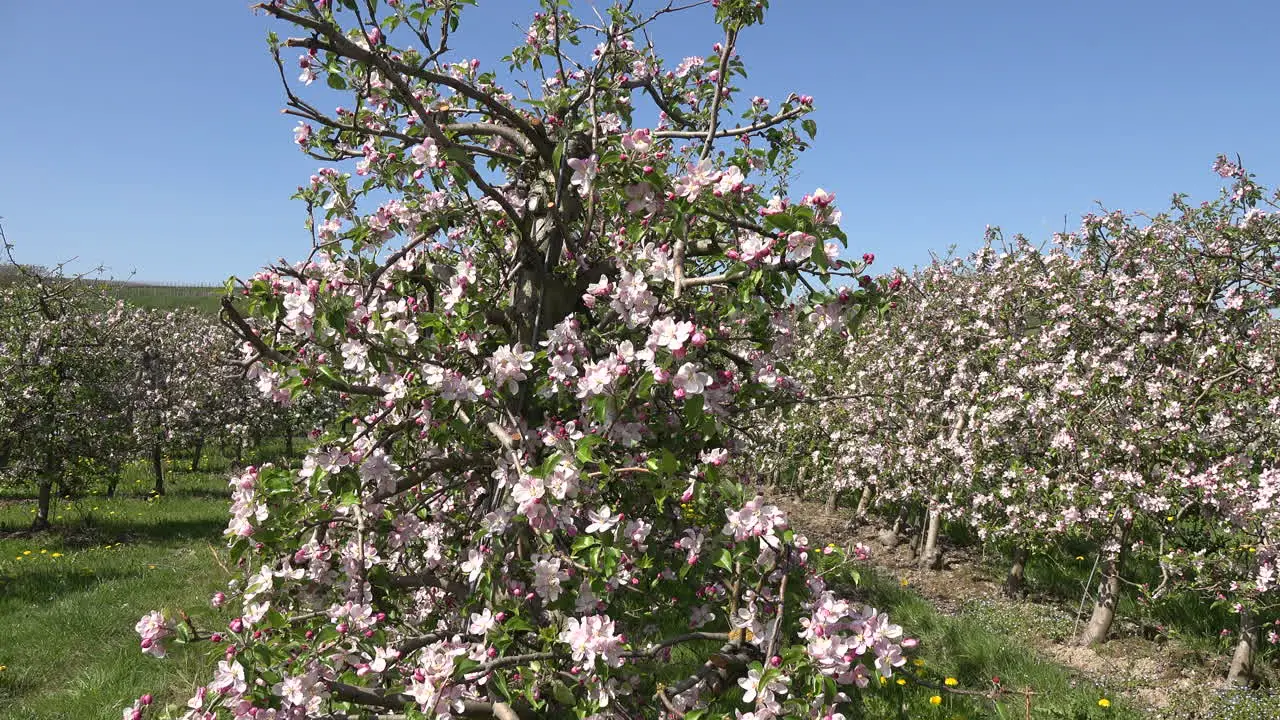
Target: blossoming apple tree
{"x": 63, "y": 396}
{"x": 546, "y": 297}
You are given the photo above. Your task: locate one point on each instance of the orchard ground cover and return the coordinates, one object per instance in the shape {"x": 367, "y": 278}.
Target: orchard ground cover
{"x": 69, "y": 596}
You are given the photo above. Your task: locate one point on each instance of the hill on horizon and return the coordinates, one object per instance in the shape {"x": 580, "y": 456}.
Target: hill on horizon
{"x": 204, "y": 298}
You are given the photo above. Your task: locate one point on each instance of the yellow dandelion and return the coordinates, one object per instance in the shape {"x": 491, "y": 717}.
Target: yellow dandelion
{"x": 3, "y": 668}
{"x": 56, "y": 555}
{"x": 918, "y": 662}
{"x": 151, "y": 567}
{"x": 951, "y": 682}
{"x": 901, "y": 681}
{"x": 1104, "y": 703}
{"x": 1079, "y": 557}
{"x": 935, "y": 700}
{"x": 43, "y": 551}
{"x": 904, "y": 582}
{"x": 883, "y": 681}
{"x": 26, "y": 552}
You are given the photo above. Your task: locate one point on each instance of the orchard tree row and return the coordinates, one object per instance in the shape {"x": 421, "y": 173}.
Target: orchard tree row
{"x": 1117, "y": 386}
{"x": 89, "y": 384}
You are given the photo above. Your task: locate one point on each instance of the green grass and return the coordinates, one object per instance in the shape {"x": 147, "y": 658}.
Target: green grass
{"x": 974, "y": 648}
{"x": 69, "y": 598}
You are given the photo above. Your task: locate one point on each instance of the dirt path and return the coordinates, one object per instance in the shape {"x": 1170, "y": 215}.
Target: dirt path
{"x": 1162, "y": 676}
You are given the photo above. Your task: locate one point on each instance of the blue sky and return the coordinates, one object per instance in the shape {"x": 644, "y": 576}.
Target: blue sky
{"x": 145, "y": 135}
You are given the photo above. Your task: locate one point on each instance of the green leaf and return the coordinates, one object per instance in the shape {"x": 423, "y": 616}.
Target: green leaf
{"x": 585, "y": 447}
{"x": 724, "y": 560}
{"x": 780, "y": 221}
{"x": 558, "y": 156}
{"x": 517, "y": 624}
{"x": 693, "y": 406}
{"x": 669, "y": 464}
{"x": 810, "y": 127}
{"x": 336, "y": 82}
{"x": 562, "y": 693}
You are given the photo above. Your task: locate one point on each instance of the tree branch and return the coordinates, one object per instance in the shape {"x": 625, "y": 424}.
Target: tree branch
{"x": 734, "y": 132}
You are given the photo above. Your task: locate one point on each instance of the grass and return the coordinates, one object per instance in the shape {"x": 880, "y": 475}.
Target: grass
{"x": 69, "y": 598}
{"x": 974, "y": 648}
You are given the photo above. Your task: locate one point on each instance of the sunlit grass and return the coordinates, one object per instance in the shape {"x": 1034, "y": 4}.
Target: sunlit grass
{"x": 69, "y": 597}
{"x": 981, "y": 657}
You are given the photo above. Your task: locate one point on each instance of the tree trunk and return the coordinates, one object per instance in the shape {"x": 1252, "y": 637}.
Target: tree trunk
{"x": 1241, "y": 671}
{"x": 157, "y": 467}
{"x": 288, "y": 442}
{"x": 864, "y": 501}
{"x": 42, "y": 504}
{"x": 1109, "y": 588}
{"x": 48, "y": 476}
{"x": 195, "y": 455}
{"x": 1015, "y": 581}
{"x": 931, "y": 557}
{"x": 833, "y": 502}
{"x": 898, "y": 521}
{"x": 113, "y": 478}
{"x": 771, "y": 483}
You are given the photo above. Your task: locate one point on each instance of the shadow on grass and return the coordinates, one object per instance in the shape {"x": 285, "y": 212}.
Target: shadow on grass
{"x": 165, "y": 530}
{"x": 45, "y": 585}
{"x": 200, "y": 493}
{"x": 83, "y": 535}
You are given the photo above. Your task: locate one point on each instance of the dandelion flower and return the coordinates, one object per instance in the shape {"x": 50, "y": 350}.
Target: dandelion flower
{"x": 1104, "y": 703}
{"x": 935, "y": 700}
{"x": 951, "y": 682}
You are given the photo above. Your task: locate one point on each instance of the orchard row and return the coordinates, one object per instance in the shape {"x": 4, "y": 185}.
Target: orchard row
{"x": 89, "y": 384}
{"x": 1119, "y": 386}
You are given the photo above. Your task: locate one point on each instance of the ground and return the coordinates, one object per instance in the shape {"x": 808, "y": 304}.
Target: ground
{"x": 1162, "y": 676}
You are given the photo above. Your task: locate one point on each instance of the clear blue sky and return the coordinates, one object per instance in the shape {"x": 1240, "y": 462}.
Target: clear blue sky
{"x": 145, "y": 134}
